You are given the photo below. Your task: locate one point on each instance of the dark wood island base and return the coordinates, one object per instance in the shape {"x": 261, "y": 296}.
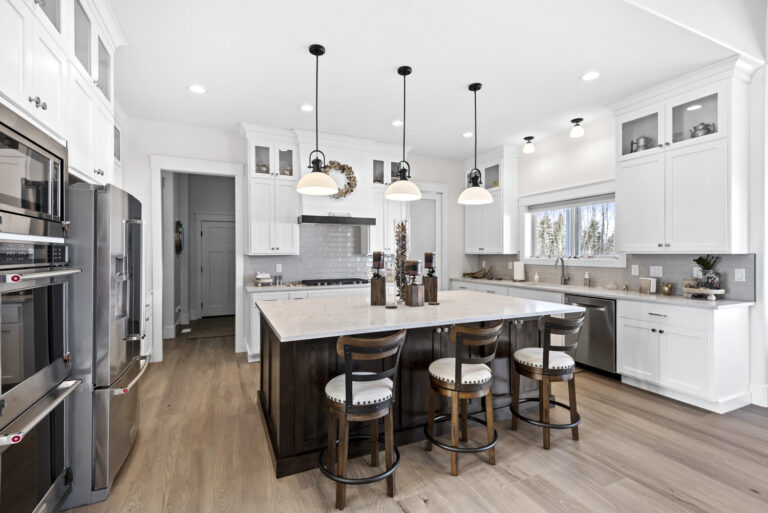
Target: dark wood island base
{"x": 294, "y": 375}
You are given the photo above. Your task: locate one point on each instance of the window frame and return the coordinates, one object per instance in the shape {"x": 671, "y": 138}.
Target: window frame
{"x": 571, "y": 194}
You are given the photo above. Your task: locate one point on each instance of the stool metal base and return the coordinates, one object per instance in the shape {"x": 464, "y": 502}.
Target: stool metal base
{"x": 474, "y": 418}
{"x": 544, "y": 424}
{"x": 362, "y": 480}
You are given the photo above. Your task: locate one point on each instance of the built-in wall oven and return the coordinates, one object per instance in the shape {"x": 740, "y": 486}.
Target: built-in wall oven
{"x": 33, "y": 179}
{"x": 35, "y": 376}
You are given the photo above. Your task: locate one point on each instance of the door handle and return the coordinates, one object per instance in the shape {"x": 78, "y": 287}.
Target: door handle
{"x": 127, "y": 388}
{"x": 26, "y": 422}
{"x": 17, "y": 277}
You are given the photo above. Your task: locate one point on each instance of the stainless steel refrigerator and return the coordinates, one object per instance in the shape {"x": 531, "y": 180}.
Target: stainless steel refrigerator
{"x": 105, "y": 333}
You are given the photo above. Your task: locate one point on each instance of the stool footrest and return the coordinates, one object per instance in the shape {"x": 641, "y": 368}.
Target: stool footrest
{"x": 362, "y": 480}
{"x": 474, "y": 418}
{"x": 544, "y": 424}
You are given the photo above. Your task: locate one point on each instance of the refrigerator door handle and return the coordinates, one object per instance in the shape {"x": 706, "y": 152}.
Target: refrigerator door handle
{"x": 37, "y": 412}
{"x": 127, "y": 388}
{"x": 17, "y": 277}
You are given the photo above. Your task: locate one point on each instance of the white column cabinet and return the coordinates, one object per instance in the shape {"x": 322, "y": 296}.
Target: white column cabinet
{"x": 484, "y": 226}
{"x": 640, "y": 204}
{"x": 273, "y": 210}
{"x": 638, "y": 351}
{"x": 13, "y": 43}
{"x": 47, "y": 66}
{"x": 286, "y": 214}
{"x": 381, "y": 236}
{"x": 684, "y": 358}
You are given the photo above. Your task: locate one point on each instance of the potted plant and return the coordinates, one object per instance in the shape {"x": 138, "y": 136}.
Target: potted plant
{"x": 710, "y": 279}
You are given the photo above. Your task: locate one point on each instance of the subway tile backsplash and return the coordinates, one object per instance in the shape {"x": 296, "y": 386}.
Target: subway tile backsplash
{"x": 327, "y": 251}
{"x": 674, "y": 269}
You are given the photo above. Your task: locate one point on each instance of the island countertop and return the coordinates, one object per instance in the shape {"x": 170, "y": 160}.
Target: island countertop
{"x": 307, "y": 319}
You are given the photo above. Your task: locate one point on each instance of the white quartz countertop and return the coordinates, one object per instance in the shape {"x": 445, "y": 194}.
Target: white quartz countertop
{"x": 255, "y": 289}
{"x": 333, "y": 317}
{"x": 614, "y": 294}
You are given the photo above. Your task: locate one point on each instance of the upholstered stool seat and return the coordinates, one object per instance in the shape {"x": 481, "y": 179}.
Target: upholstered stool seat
{"x": 363, "y": 392}
{"x": 534, "y": 357}
{"x": 444, "y": 369}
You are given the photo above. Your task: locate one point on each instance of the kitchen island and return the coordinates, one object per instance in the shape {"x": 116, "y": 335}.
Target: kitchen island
{"x": 299, "y": 357}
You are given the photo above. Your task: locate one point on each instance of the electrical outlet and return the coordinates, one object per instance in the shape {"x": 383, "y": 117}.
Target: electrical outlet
{"x": 278, "y": 268}
{"x": 482, "y": 264}
{"x": 697, "y": 272}
{"x": 657, "y": 271}
{"x": 740, "y": 275}
{"x": 635, "y": 270}
{"x": 509, "y": 265}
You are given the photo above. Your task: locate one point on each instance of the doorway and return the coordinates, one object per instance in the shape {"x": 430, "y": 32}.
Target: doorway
{"x": 426, "y": 218}
{"x": 217, "y": 266}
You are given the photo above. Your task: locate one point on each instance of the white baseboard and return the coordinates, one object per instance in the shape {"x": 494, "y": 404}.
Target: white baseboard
{"x": 169, "y": 332}
{"x": 760, "y": 395}
{"x": 721, "y": 406}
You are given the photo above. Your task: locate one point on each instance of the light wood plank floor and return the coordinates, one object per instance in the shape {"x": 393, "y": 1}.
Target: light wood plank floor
{"x": 202, "y": 448}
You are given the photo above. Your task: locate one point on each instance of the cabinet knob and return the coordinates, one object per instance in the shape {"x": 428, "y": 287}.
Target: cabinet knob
{"x": 661, "y": 245}
{"x": 661, "y": 331}
{"x": 35, "y": 99}
{"x": 666, "y": 245}
{"x": 481, "y": 249}
{"x": 653, "y": 330}
{"x": 666, "y": 144}
{"x": 661, "y": 145}
{"x": 44, "y": 106}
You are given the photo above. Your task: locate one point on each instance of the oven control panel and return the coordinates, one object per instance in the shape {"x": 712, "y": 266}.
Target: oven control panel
{"x": 15, "y": 255}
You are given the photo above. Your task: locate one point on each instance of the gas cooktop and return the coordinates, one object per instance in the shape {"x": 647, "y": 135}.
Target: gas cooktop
{"x": 333, "y": 281}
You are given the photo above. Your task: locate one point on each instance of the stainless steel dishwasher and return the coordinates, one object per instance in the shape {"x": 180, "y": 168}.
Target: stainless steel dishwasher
{"x": 597, "y": 340}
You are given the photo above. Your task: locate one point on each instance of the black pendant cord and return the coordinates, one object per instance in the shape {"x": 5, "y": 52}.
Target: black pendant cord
{"x": 475, "y": 95}
{"x": 404, "y": 103}
{"x": 317, "y": 107}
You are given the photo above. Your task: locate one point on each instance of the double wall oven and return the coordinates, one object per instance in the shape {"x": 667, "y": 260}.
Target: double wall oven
{"x": 35, "y": 375}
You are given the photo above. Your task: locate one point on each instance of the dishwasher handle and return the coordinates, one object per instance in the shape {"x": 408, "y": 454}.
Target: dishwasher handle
{"x": 597, "y": 308}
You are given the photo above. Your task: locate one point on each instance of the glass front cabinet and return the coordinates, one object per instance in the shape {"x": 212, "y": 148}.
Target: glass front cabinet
{"x": 686, "y": 119}
{"x": 278, "y": 160}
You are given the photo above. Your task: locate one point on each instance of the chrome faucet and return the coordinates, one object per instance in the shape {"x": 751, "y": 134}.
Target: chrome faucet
{"x": 563, "y": 278}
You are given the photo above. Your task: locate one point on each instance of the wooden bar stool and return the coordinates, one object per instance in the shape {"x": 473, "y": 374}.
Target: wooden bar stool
{"x": 462, "y": 378}
{"x": 546, "y": 364}
{"x": 359, "y": 396}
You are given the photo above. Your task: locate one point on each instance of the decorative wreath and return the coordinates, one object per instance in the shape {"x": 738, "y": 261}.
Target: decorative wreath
{"x": 335, "y": 165}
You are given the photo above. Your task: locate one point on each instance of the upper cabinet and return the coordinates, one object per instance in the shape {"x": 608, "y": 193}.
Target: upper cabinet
{"x": 268, "y": 158}
{"x": 492, "y": 229}
{"x": 92, "y": 47}
{"x": 681, "y": 178}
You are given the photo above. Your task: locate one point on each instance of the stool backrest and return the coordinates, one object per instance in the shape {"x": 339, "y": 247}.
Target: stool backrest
{"x": 481, "y": 341}
{"x": 569, "y": 325}
{"x": 369, "y": 349}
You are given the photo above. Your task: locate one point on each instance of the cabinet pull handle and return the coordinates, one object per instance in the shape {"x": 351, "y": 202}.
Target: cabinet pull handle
{"x": 657, "y": 314}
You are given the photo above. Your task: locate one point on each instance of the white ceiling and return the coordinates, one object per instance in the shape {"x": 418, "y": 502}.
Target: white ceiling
{"x": 252, "y": 58}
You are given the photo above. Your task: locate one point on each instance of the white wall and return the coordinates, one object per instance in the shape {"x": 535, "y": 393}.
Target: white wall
{"x": 450, "y": 172}
{"x": 561, "y": 161}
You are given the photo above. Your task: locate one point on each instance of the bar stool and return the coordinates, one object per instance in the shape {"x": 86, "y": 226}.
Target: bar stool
{"x": 358, "y": 396}
{"x": 462, "y": 378}
{"x": 546, "y": 364}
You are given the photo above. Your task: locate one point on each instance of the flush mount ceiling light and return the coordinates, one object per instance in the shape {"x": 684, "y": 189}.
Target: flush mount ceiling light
{"x": 317, "y": 183}
{"x": 577, "y": 130}
{"x": 528, "y": 147}
{"x": 403, "y": 189}
{"x": 467, "y": 135}
{"x": 197, "y": 89}
{"x": 694, "y": 107}
{"x": 475, "y": 194}
{"x": 307, "y": 107}
{"x": 397, "y": 122}
{"x": 590, "y": 75}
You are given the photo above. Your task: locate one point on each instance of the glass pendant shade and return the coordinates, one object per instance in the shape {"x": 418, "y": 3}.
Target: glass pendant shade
{"x": 528, "y": 147}
{"x": 475, "y": 195}
{"x": 317, "y": 183}
{"x": 577, "y": 130}
{"x": 403, "y": 190}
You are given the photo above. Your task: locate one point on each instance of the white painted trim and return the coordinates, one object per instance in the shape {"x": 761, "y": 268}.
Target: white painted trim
{"x": 722, "y": 406}
{"x": 442, "y": 189}
{"x": 586, "y": 190}
{"x": 760, "y": 395}
{"x": 159, "y": 163}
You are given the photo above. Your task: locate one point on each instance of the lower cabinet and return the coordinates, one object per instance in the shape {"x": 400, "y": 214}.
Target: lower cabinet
{"x": 695, "y": 355}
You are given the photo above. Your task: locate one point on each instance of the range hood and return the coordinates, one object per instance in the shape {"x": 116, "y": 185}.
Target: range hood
{"x": 363, "y": 221}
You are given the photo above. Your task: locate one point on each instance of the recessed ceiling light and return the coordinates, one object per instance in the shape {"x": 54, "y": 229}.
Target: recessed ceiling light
{"x": 590, "y": 75}
{"x": 197, "y": 89}
{"x": 467, "y": 135}
{"x": 307, "y": 107}
{"x": 694, "y": 107}
{"x": 397, "y": 122}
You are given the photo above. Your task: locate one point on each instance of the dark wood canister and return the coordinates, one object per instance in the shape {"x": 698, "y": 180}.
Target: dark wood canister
{"x": 378, "y": 291}
{"x": 430, "y": 288}
{"x": 414, "y": 295}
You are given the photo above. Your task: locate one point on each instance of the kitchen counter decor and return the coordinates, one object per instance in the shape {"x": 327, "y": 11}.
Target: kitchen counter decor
{"x": 430, "y": 280}
{"x": 335, "y": 165}
{"x": 414, "y": 292}
{"x": 401, "y": 254}
{"x": 378, "y": 282}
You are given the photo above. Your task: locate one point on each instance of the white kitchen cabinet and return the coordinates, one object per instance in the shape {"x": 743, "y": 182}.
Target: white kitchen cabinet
{"x": 699, "y": 356}
{"x": 381, "y": 236}
{"x": 463, "y": 285}
{"x": 91, "y": 133}
{"x": 638, "y": 349}
{"x": 338, "y": 292}
{"x": 687, "y": 191}
{"x": 269, "y": 158}
{"x": 273, "y": 210}
{"x": 640, "y": 204}
{"x": 13, "y": 43}
{"x": 92, "y": 50}
{"x": 537, "y": 295}
{"x": 103, "y": 144}
{"x": 253, "y": 336}
{"x": 45, "y": 70}
{"x": 492, "y": 229}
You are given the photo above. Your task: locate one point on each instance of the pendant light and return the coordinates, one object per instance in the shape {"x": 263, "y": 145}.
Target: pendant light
{"x": 403, "y": 189}
{"x": 317, "y": 183}
{"x": 577, "y": 130}
{"x": 528, "y": 147}
{"x": 475, "y": 194}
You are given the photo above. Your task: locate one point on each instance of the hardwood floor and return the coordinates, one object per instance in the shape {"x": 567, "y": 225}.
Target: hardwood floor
{"x": 202, "y": 448}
